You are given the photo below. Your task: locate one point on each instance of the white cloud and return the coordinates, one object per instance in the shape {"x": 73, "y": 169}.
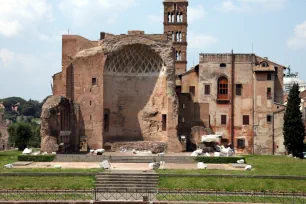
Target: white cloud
{"x": 84, "y": 11}
{"x": 27, "y": 75}
{"x": 195, "y": 13}
{"x": 18, "y": 15}
{"x": 6, "y": 57}
{"x": 299, "y": 39}
{"x": 252, "y": 5}
{"x": 200, "y": 41}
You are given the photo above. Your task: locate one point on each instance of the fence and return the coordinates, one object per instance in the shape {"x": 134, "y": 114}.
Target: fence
{"x": 151, "y": 195}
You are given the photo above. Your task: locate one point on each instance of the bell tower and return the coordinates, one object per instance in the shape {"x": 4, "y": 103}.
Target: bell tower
{"x": 175, "y": 24}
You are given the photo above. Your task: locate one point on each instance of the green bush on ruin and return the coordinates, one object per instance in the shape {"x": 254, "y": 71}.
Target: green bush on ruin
{"x": 36, "y": 158}
{"x": 219, "y": 160}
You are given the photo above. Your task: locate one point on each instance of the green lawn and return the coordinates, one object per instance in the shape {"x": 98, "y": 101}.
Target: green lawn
{"x": 47, "y": 182}
{"x": 9, "y": 157}
{"x": 232, "y": 184}
{"x": 226, "y": 198}
{"x": 262, "y": 165}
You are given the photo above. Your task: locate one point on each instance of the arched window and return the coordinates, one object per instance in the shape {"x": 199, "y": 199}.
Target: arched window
{"x": 177, "y": 36}
{"x": 222, "y": 88}
{"x": 173, "y": 36}
{"x": 178, "y": 17}
{"x": 181, "y": 37}
{"x": 172, "y": 17}
{"x": 264, "y": 64}
{"x": 169, "y": 17}
{"x": 223, "y": 65}
{"x": 181, "y": 17}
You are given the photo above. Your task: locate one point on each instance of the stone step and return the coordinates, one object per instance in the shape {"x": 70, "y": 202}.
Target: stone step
{"x": 127, "y": 180}
{"x": 126, "y": 177}
{"x": 122, "y": 190}
{"x": 126, "y": 185}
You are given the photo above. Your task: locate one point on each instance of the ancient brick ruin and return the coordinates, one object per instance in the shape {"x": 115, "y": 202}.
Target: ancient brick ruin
{"x": 133, "y": 91}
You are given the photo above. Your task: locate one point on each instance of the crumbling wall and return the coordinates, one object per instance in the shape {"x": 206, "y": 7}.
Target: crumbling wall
{"x": 116, "y": 96}
{"x": 51, "y": 122}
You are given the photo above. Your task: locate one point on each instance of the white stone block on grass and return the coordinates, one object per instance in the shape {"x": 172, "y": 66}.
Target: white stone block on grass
{"x": 248, "y": 168}
{"x": 201, "y": 165}
{"x": 105, "y": 164}
{"x": 27, "y": 151}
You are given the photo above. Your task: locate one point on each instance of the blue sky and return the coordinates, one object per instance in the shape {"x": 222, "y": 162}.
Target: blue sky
{"x": 30, "y": 33}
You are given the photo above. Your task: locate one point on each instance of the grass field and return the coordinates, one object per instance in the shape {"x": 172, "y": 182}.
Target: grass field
{"x": 262, "y": 165}
{"x": 47, "y": 182}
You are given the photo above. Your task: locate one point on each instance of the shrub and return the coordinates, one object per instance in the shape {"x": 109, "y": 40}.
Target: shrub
{"x": 36, "y": 158}
{"x": 219, "y": 160}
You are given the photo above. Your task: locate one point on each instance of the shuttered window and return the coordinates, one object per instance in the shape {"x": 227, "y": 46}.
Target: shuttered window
{"x": 223, "y": 119}
{"x": 246, "y": 120}
{"x": 207, "y": 89}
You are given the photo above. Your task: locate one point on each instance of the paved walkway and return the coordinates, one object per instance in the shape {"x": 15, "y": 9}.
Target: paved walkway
{"x": 123, "y": 166}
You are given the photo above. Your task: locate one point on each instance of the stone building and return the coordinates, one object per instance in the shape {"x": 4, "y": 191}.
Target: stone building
{"x": 133, "y": 91}
{"x": 3, "y": 132}
{"x": 245, "y": 97}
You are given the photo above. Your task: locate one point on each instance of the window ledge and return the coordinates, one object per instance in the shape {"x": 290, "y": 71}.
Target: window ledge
{"x": 223, "y": 101}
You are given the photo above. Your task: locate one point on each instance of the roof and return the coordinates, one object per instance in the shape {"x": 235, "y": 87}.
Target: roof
{"x": 175, "y": 1}
{"x": 260, "y": 68}
{"x": 269, "y": 61}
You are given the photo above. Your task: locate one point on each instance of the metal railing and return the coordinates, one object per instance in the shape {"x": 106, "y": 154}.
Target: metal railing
{"x": 151, "y": 195}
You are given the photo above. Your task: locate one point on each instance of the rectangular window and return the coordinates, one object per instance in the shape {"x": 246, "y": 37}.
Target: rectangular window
{"x": 241, "y": 143}
{"x": 269, "y": 76}
{"x": 192, "y": 90}
{"x": 90, "y": 103}
{"x": 269, "y": 93}
{"x": 183, "y": 106}
{"x": 238, "y": 89}
{"x": 106, "y": 122}
{"x": 269, "y": 118}
{"x": 164, "y": 122}
{"x": 94, "y": 81}
{"x": 207, "y": 89}
{"x": 223, "y": 119}
{"x": 246, "y": 120}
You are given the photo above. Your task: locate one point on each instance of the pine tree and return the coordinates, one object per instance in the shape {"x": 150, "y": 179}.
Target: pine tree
{"x": 294, "y": 130}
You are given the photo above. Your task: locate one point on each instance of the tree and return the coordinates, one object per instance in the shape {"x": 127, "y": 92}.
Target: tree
{"x": 294, "y": 130}
{"x": 20, "y": 134}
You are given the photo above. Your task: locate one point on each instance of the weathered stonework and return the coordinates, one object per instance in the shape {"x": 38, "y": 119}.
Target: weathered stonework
{"x": 52, "y": 122}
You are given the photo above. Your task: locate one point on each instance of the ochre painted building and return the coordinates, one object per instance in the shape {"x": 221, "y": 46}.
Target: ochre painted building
{"x": 132, "y": 90}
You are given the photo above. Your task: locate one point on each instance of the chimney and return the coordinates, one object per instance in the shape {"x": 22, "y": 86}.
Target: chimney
{"x": 102, "y": 35}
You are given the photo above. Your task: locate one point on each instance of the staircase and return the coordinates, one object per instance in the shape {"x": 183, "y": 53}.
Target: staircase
{"x": 126, "y": 181}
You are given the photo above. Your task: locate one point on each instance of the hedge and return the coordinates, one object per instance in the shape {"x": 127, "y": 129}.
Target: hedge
{"x": 219, "y": 160}
{"x": 36, "y": 158}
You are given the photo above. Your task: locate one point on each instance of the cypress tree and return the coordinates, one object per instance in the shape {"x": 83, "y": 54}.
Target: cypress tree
{"x": 294, "y": 130}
